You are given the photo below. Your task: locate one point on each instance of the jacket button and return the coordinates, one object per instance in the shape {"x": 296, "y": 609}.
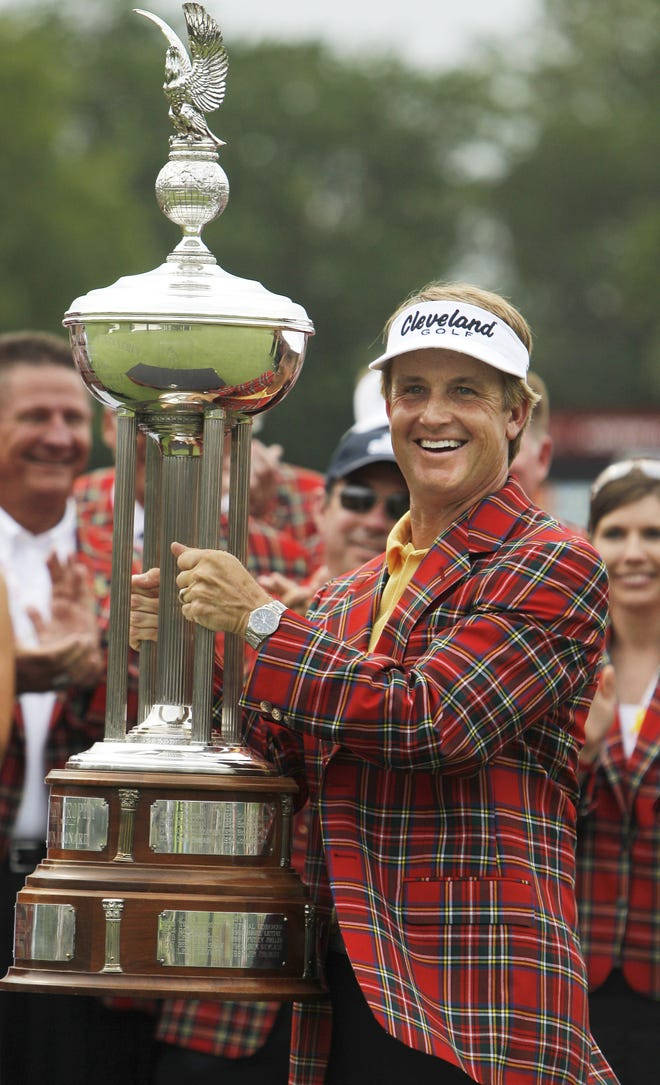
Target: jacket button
{"x": 276, "y": 714}
{"x": 266, "y": 707}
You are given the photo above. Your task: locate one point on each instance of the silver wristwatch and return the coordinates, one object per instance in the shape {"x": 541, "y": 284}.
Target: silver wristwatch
{"x": 262, "y": 622}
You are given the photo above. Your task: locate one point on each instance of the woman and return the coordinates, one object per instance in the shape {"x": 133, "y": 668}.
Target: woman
{"x": 618, "y": 867}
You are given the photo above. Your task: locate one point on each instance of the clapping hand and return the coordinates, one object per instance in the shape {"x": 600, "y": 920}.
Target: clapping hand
{"x": 601, "y": 715}
{"x": 68, "y": 652}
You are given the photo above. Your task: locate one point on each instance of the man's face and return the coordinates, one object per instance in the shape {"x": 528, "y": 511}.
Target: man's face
{"x": 532, "y": 463}
{"x": 45, "y": 435}
{"x": 450, "y": 430}
{"x": 350, "y": 536}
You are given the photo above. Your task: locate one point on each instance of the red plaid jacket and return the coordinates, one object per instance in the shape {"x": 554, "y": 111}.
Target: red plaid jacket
{"x": 618, "y": 859}
{"x": 78, "y": 717}
{"x": 445, "y": 787}
{"x": 270, "y": 550}
{"x": 294, "y": 507}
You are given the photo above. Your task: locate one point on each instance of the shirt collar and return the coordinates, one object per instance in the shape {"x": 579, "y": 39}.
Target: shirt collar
{"x": 57, "y": 537}
{"x": 399, "y": 545}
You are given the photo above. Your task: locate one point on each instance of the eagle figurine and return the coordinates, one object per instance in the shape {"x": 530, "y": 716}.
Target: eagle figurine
{"x": 194, "y": 84}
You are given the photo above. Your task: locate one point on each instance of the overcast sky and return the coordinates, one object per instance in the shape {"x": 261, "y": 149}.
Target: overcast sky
{"x": 422, "y": 31}
{"x": 427, "y": 32}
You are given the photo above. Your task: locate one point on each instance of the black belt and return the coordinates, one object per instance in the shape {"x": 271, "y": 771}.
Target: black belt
{"x": 24, "y": 855}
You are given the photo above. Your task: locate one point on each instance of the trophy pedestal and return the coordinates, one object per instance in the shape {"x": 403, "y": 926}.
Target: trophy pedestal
{"x": 164, "y": 884}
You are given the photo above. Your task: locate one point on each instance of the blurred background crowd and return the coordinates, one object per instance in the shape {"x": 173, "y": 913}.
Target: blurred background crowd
{"x": 509, "y": 145}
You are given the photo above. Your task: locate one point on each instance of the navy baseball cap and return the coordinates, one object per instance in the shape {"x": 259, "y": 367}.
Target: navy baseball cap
{"x": 358, "y": 448}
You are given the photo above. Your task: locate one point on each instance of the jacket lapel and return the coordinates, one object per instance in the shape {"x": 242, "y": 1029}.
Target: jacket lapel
{"x": 613, "y": 761}
{"x": 481, "y": 530}
{"x": 360, "y": 604}
{"x": 647, "y": 747}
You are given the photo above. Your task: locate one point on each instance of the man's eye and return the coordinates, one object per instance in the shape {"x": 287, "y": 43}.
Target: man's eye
{"x": 465, "y": 390}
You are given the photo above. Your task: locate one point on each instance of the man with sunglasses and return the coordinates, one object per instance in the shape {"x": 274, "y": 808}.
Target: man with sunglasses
{"x": 365, "y": 494}
{"x": 440, "y": 693}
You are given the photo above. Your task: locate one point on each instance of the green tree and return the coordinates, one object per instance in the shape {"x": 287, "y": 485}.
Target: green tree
{"x": 579, "y": 200}
{"x": 343, "y": 193}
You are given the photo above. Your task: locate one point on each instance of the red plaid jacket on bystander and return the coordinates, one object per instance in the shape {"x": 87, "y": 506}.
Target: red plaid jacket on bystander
{"x": 618, "y": 859}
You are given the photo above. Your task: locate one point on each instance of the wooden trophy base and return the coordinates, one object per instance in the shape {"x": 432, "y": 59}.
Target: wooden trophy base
{"x": 164, "y": 884}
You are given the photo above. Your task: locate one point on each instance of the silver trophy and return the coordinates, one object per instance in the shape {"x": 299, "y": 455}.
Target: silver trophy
{"x": 168, "y": 867}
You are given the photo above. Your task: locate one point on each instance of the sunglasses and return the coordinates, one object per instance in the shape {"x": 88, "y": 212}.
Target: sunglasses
{"x": 647, "y": 467}
{"x": 363, "y": 499}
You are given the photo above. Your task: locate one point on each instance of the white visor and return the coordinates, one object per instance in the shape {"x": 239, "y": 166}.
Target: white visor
{"x": 455, "y": 325}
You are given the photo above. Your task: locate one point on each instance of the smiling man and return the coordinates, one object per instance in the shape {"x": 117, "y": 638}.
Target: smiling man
{"x": 45, "y": 439}
{"x": 442, "y": 690}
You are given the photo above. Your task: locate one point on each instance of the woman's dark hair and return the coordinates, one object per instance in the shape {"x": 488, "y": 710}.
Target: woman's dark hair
{"x": 633, "y": 486}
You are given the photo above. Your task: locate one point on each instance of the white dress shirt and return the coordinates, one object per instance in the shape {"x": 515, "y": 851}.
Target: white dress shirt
{"x": 23, "y": 559}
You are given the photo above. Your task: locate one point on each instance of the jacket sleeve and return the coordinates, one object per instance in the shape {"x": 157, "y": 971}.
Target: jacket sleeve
{"x": 529, "y": 644}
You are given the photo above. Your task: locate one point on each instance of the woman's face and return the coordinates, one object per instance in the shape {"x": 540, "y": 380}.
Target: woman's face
{"x": 628, "y": 540}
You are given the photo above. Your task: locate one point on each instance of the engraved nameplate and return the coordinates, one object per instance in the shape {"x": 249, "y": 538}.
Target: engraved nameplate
{"x": 192, "y": 827}
{"x": 44, "y": 932}
{"x": 77, "y": 823}
{"x": 222, "y": 939}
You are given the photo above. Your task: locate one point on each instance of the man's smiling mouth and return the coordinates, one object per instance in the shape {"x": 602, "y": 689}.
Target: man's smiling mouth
{"x": 439, "y": 446}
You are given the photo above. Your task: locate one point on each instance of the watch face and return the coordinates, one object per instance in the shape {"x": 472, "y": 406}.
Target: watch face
{"x": 263, "y": 620}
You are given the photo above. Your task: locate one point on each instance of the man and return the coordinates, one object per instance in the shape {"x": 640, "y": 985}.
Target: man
{"x": 365, "y": 494}
{"x": 531, "y": 466}
{"x": 445, "y": 689}
{"x": 57, "y": 575}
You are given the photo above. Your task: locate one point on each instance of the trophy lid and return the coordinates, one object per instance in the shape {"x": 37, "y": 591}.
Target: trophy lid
{"x": 184, "y": 290}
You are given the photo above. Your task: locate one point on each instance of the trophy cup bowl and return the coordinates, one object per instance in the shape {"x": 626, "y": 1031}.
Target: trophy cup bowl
{"x": 169, "y": 845}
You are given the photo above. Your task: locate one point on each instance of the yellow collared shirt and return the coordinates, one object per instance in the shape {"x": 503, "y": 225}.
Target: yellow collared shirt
{"x": 402, "y": 564}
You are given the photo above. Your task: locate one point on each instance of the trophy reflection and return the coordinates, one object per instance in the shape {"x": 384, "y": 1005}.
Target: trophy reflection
{"x": 168, "y": 867}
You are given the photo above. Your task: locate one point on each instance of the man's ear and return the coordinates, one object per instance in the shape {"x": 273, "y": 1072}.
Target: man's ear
{"x": 545, "y": 453}
{"x": 518, "y": 415}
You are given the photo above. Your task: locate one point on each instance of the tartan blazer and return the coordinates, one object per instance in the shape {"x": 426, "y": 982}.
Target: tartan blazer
{"x": 443, "y": 791}
{"x": 618, "y": 859}
{"x": 294, "y": 507}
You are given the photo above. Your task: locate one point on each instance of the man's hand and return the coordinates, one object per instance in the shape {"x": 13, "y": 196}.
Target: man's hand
{"x": 264, "y": 463}
{"x": 215, "y": 590}
{"x": 601, "y": 715}
{"x": 145, "y": 588}
{"x": 69, "y": 651}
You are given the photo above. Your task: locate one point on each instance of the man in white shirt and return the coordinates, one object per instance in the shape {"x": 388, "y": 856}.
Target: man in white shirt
{"x": 45, "y": 439}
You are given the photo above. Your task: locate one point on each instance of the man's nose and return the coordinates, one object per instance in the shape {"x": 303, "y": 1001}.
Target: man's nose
{"x": 58, "y": 432}
{"x": 377, "y": 519}
{"x": 436, "y": 409}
